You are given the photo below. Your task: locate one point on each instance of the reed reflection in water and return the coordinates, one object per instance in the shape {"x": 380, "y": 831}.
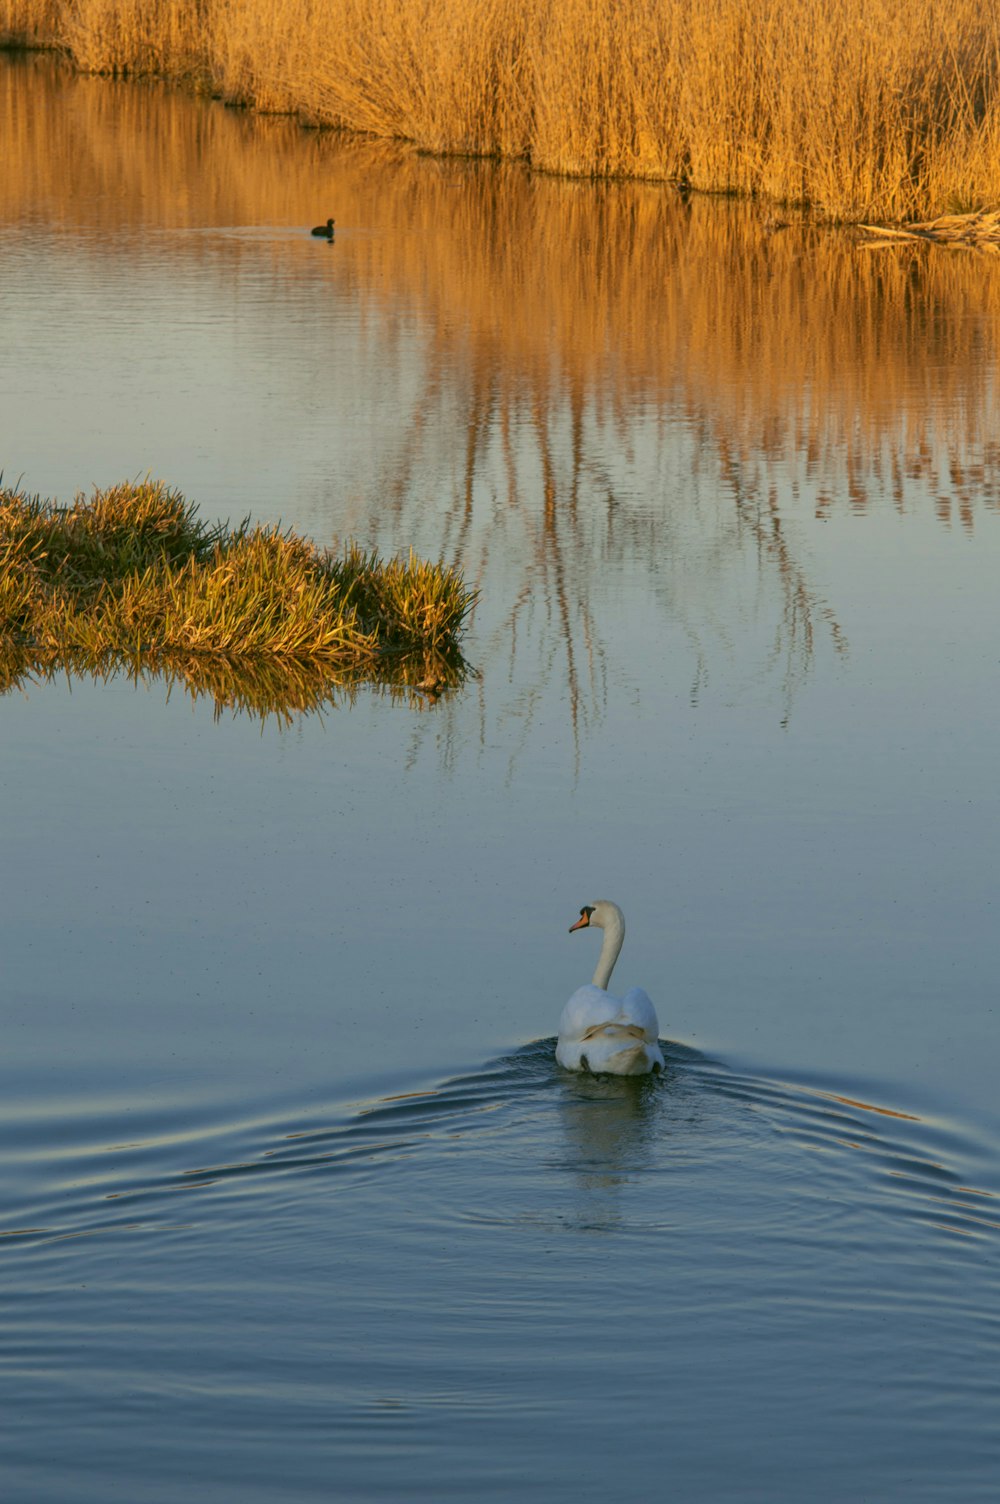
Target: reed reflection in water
{"x": 568, "y": 386}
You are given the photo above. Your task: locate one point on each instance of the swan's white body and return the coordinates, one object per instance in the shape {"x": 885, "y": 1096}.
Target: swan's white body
{"x": 602, "y": 1033}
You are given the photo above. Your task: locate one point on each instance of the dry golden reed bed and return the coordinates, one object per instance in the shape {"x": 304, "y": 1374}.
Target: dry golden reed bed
{"x": 866, "y": 109}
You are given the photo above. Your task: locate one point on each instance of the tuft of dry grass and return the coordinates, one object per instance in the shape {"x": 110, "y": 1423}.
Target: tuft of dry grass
{"x": 133, "y": 575}
{"x": 862, "y": 108}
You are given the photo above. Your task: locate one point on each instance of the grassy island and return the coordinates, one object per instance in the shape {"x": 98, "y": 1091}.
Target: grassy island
{"x": 255, "y": 616}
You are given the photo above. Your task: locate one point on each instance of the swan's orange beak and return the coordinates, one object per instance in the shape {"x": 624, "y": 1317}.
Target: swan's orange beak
{"x": 583, "y": 921}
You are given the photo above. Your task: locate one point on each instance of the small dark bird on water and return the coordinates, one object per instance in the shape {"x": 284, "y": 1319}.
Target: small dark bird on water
{"x": 325, "y": 230}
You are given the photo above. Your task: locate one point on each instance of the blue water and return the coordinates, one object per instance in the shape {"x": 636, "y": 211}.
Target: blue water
{"x": 294, "y": 1201}
{"x": 508, "y": 1280}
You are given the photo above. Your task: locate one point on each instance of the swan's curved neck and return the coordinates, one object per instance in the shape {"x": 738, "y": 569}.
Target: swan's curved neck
{"x": 614, "y": 934}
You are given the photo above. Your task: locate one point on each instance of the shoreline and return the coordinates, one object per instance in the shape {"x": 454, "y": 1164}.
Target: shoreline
{"x": 658, "y": 98}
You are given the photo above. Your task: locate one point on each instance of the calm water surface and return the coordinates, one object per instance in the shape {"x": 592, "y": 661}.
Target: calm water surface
{"x": 295, "y": 1203}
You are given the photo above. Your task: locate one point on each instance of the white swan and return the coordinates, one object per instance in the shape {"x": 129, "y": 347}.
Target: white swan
{"x": 599, "y": 1032}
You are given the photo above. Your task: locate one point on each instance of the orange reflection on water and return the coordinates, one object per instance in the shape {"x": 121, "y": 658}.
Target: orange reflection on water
{"x": 885, "y": 1112}
{"x": 545, "y": 296}
{"x": 573, "y": 339}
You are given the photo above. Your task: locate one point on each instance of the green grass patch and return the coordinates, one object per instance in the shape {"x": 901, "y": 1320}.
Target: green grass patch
{"x": 134, "y": 578}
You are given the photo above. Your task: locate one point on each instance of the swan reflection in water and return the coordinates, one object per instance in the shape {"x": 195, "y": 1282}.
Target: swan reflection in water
{"x": 611, "y": 1128}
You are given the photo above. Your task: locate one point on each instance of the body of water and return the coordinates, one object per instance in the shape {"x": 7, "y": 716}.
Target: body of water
{"x": 294, "y": 1200}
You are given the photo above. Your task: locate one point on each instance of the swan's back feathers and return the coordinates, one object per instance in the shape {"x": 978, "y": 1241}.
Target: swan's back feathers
{"x": 637, "y": 1006}
{"x": 601, "y": 1032}
{"x": 590, "y": 1007}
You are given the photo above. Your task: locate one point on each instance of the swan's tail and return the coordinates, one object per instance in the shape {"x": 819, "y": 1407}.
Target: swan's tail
{"x": 637, "y": 1060}
{"x": 615, "y": 1049}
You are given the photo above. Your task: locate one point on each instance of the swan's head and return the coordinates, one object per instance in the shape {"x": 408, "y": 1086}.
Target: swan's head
{"x": 604, "y": 914}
